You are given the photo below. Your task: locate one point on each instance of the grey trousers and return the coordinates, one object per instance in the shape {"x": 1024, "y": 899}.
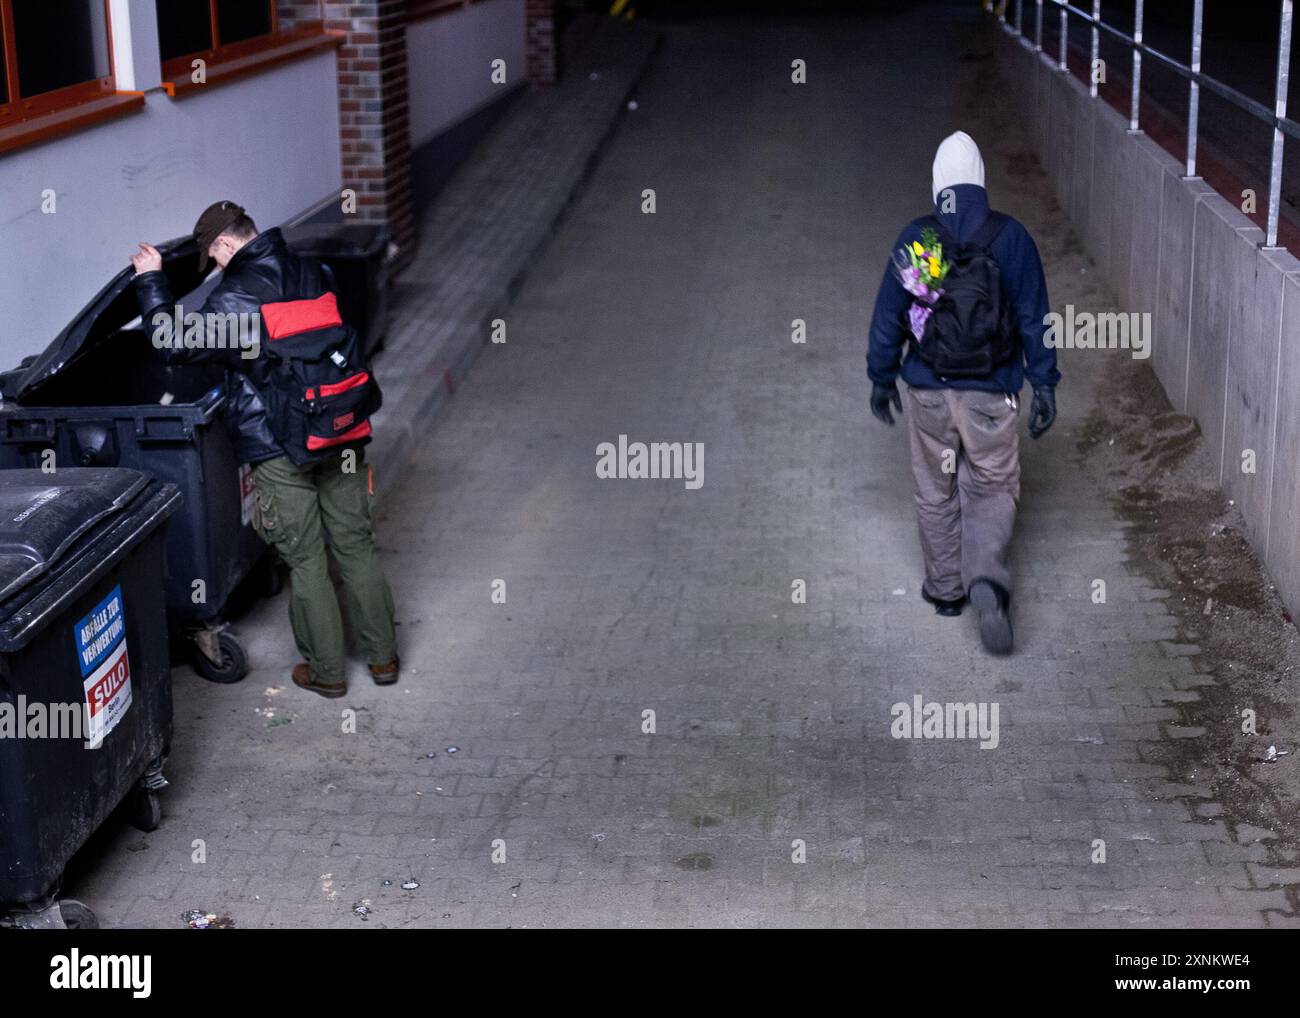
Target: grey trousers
{"x": 966, "y": 469}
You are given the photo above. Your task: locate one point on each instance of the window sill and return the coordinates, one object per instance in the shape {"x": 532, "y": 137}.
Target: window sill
{"x": 255, "y": 63}
{"x": 47, "y": 126}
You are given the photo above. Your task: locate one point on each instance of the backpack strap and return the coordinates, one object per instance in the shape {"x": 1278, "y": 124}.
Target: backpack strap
{"x": 989, "y": 229}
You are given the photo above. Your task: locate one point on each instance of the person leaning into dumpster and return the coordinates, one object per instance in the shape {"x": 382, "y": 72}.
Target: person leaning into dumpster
{"x": 295, "y": 505}
{"x": 966, "y": 295}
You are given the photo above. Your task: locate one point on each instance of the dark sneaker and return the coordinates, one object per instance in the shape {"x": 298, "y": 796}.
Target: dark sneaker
{"x": 948, "y": 609}
{"x": 993, "y": 604}
{"x": 385, "y": 675}
{"x": 304, "y": 679}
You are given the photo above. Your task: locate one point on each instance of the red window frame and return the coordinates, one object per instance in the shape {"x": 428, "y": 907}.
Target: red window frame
{"x": 18, "y": 108}
{"x": 181, "y": 66}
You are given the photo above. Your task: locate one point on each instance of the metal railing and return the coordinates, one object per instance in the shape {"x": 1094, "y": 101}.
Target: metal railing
{"x": 1191, "y": 71}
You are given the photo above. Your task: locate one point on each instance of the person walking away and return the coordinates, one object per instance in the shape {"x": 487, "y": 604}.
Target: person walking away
{"x": 960, "y": 316}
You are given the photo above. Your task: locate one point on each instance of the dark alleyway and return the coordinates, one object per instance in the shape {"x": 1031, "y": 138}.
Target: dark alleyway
{"x": 774, "y": 202}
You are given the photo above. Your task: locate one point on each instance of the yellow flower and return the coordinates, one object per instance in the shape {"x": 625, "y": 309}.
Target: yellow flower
{"x": 917, "y": 247}
{"x": 934, "y": 267}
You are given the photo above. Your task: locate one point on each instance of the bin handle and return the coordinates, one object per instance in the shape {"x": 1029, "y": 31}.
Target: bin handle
{"x": 142, "y": 431}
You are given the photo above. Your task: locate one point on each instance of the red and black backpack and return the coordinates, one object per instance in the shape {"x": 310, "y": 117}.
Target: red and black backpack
{"x": 318, "y": 391}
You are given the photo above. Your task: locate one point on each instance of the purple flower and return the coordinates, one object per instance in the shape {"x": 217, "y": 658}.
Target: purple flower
{"x": 917, "y": 316}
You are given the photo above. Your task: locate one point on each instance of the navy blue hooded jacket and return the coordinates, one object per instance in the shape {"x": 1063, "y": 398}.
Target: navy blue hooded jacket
{"x": 1026, "y": 288}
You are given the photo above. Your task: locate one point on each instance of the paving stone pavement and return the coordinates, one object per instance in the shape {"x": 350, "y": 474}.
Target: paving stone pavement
{"x": 480, "y": 235}
{"x": 772, "y": 719}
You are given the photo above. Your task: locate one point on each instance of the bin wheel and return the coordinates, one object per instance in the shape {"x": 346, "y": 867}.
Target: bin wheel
{"x": 234, "y": 662}
{"x": 144, "y": 810}
{"x": 77, "y": 916}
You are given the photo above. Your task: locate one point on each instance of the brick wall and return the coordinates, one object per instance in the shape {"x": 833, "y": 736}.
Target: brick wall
{"x": 374, "y": 127}
{"x": 541, "y": 41}
{"x": 374, "y": 108}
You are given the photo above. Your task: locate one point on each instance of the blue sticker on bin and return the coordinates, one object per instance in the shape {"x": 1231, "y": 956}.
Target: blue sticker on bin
{"x": 99, "y": 633}
{"x": 105, "y": 666}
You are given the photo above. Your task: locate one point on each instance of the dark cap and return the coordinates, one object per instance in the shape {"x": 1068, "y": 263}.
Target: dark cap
{"x": 217, "y": 218}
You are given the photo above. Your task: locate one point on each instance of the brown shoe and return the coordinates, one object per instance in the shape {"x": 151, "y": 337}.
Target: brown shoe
{"x": 385, "y": 675}
{"x": 303, "y": 679}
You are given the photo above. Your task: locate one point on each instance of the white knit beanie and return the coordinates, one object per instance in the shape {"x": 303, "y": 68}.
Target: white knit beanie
{"x": 958, "y": 161}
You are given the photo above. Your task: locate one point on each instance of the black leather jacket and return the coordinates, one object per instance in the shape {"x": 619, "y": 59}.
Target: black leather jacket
{"x": 263, "y": 270}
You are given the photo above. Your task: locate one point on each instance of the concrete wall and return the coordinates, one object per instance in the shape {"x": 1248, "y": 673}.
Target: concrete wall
{"x": 1226, "y": 313}
{"x": 449, "y": 59}
{"x": 270, "y": 141}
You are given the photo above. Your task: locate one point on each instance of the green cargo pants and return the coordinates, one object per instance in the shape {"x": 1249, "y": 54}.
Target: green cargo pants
{"x": 296, "y": 506}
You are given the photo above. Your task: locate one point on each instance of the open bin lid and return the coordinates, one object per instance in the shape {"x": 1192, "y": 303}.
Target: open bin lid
{"x": 42, "y": 515}
{"x": 332, "y": 240}
{"x": 113, "y": 308}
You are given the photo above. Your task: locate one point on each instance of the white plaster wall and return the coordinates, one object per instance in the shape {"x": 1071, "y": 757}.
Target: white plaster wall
{"x": 269, "y": 141}
{"x": 449, "y": 62}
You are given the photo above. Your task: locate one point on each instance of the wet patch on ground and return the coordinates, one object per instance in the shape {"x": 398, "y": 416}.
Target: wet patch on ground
{"x": 1184, "y": 535}
{"x": 1188, "y": 537}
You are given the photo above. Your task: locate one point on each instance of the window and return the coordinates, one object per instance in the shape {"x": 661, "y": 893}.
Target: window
{"x": 240, "y": 20}
{"x": 55, "y": 54}
{"x": 183, "y": 28}
{"x": 212, "y": 30}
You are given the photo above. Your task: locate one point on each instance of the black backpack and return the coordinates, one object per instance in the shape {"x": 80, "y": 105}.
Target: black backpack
{"x": 972, "y": 330}
{"x": 318, "y": 391}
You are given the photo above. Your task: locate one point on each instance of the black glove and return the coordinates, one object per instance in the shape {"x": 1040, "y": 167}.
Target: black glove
{"x": 881, "y": 397}
{"x": 1042, "y": 412}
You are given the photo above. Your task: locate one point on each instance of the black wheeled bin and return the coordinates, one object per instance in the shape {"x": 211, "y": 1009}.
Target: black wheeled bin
{"x": 101, "y": 396}
{"x": 357, "y": 254}
{"x": 85, "y": 672}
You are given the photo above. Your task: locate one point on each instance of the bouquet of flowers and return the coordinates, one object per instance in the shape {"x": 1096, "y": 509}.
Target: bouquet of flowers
{"x": 922, "y": 270}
